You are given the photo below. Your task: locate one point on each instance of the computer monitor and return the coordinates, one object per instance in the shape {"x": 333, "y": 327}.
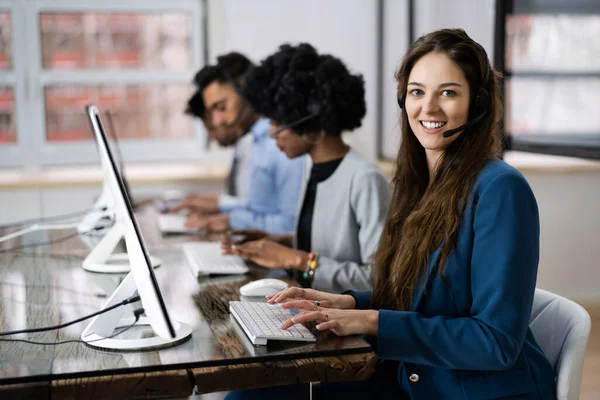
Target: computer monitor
{"x": 119, "y": 157}
{"x": 101, "y": 257}
{"x": 101, "y": 217}
{"x": 140, "y": 279}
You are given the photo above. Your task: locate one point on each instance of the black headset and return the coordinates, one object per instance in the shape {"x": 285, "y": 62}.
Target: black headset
{"x": 478, "y": 109}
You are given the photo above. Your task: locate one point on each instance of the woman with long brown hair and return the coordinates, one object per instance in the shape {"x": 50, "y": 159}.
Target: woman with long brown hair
{"x": 456, "y": 267}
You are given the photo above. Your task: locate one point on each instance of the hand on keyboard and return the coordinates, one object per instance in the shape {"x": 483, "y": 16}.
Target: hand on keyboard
{"x": 340, "y": 322}
{"x": 297, "y": 297}
{"x": 239, "y": 237}
{"x": 262, "y": 322}
{"x": 213, "y": 223}
{"x": 199, "y": 203}
{"x": 271, "y": 255}
{"x": 175, "y": 224}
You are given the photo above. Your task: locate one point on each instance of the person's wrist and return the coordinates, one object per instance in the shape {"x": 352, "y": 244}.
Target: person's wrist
{"x": 348, "y": 302}
{"x": 299, "y": 261}
{"x": 372, "y": 322}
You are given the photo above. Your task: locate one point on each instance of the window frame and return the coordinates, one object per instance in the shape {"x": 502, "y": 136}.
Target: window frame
{"x": 31, "y": 80}
{"x": 570, "y": 144}
{"x": 14, "y": 154}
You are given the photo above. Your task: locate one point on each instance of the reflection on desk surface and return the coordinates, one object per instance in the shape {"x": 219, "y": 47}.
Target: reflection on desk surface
{"x": 44, "y": 289}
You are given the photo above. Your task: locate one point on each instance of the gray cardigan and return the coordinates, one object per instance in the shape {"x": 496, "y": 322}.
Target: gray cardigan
{"x": 349, "y": 214}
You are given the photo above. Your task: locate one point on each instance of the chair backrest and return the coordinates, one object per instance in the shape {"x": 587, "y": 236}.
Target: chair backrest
{"x": 561, "y": 327}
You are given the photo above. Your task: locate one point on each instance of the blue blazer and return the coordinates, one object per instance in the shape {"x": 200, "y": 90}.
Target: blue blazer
{"x": 469, "y": 337}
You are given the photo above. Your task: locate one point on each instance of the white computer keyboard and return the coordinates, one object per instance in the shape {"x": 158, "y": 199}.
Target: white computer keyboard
{"x": 206, "y": 258}
{"x": 173, "y": 224}
{"x": 262, "y": 321}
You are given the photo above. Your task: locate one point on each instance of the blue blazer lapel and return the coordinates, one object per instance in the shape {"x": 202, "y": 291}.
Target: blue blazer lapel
{"x": 431, "y": 273}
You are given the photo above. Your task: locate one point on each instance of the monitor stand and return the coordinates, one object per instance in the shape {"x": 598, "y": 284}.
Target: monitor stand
{"x": 97, "y": 333}
{"x": 101, "y": 258}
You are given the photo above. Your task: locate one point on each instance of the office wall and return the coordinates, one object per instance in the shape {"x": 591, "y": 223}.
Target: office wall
{"x": 570, "y": 232}
{"x": 346, "y": 29}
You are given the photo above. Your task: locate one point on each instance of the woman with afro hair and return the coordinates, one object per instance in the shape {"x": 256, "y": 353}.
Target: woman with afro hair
{"x": 311, "y": 99}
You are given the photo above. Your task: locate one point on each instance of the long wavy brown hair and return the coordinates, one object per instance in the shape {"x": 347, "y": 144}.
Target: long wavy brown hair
{"x": 424, "y": 216}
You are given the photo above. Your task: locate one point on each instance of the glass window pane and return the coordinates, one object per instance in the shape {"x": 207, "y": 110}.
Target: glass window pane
{"x": 558, "y": 43}
{"x": 138, "y": 112}
{"x": 98, "y": 40}
{"x": 5, "y": 41}
{"x": 8, "y": 132}
{"x": 552, "y": 106}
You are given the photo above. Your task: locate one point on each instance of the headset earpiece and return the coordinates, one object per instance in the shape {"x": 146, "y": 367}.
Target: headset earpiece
{"x": 401, "y": 101}
{"x": 482, "y": 102}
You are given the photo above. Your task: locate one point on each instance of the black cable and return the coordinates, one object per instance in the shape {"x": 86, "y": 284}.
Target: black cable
{"x": 138, "y": 312}
{"x": 44, "y": 219}
{"x": 131, "y": 299}
{"x": 50, "y": 242}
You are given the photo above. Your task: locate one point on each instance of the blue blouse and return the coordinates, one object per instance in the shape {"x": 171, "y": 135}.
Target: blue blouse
{"x": 469, "y": 337}
{"x": 273, "y": 187}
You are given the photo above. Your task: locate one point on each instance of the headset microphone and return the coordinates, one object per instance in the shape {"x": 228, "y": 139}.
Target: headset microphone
{"x": 469, "y": 124}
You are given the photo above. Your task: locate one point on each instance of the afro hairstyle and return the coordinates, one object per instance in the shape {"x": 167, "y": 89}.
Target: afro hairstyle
{"x": 296, "y": 82}
{"x": 231, "y": 67}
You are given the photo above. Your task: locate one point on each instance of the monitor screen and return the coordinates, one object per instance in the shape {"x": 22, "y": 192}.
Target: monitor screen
{"x": 143, "y": 274}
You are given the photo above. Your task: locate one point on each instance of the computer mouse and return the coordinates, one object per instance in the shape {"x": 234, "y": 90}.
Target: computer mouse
{"x": 263, "y": 287}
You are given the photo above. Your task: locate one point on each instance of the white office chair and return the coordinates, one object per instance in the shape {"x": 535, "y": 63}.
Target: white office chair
{"x": 561, "y": 327}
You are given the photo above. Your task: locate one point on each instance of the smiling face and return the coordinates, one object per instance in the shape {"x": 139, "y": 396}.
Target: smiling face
{"x": 437, "y": 100}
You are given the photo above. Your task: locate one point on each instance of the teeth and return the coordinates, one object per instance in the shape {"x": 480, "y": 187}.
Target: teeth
{"x": 432, "y": 125}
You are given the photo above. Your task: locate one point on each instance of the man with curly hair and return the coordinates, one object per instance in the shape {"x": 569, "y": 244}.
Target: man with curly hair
{"x": 263, "y": 186}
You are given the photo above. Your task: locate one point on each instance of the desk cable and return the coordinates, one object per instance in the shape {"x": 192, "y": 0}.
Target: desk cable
{"x": 129, "y": 300}
{"x": 138, "y": 312}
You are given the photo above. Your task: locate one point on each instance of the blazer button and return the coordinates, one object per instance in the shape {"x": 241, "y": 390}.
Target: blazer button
{"x": 414, "y": 378}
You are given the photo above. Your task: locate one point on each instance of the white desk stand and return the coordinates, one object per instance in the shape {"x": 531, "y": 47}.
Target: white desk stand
{"x": 97, "y": 333}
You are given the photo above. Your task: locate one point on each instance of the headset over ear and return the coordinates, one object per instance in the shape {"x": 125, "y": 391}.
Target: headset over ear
{"x": 482, "y": 102}
{"x": 401, "y": 101}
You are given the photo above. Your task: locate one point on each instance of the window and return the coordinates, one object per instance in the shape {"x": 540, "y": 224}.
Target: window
{"x": 7, "y": 115}
{"x": 553, "y": 77}
{"x": 134, "y": 60}
{"x": 5, "y": 40}
{"x": 7, "y": 98}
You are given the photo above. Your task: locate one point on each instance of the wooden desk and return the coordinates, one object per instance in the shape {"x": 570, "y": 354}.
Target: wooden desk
{"x": 42, "y": 289}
